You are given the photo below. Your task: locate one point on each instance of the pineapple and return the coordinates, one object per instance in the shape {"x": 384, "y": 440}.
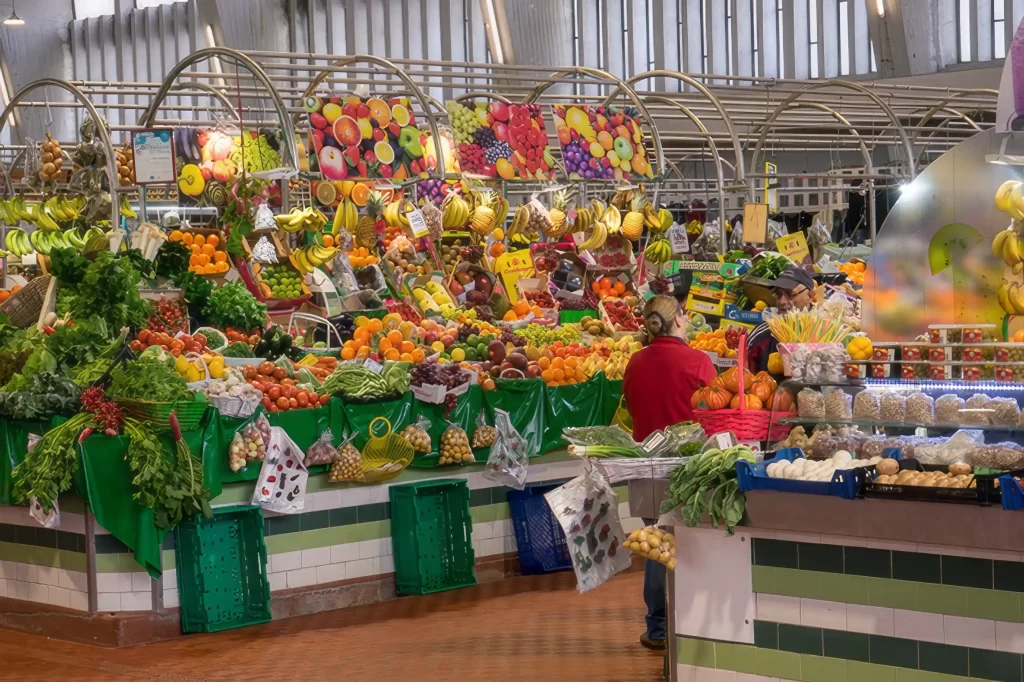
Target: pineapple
{"x": 366, "y": 230}
{"x": 482, "y": 219}
{"x": 633, "y": 224}
{"x": 559, "y": 222}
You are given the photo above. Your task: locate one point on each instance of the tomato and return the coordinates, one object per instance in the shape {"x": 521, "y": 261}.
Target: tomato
{"x": 280, "y": 373}
{"x": 137, "y": 345}
{"x": 273, "y": 408}
{"x": 176, "y": 343}
{"x": 274, "y": 392}
{"x": 200, "y": 339}
{"x": 287, "y": 382}
{"x": 293, "y": 403}
{"x": 288, "y": 391}
{"x": 175, "y": 351}
{"x": 266, "y": 402}
{"x": 282, "y": 403}
{"x": 313, "y": 397}
{"x": 143, "y": 335}
{"x": 266, "y": 368}
{"x": 250, "y": 372}
{"x": 192, "y": 347}
{"x": 302, "y": 397}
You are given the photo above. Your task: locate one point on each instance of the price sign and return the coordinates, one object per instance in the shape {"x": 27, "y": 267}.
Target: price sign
{"x": 417, "y": 223}
{"x": 29, "y": 259}
{"x": 678, "y": 238}
{"x": 154, "y": 156}
{"x": 373, "y": 365}
{"x": 511, "y": 267}
{"x": 795, "y": 246}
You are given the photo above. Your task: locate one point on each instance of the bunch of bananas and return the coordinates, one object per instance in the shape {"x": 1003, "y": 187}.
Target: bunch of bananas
{"x": 455, "y": 212}
{"x": 612, "y": 218}
{"x": 298, "y": 219}
{"x": 1011, "y": 299}
{"x": 1010, "y": 199}
{"x": 309, "y": 258}
{"x": 126, "y": 210}
{"x": 597, "y": 238}
{"x": 1008, "y": 246}
{"x": 14, "y": 210}
{"x": 658, "y": 251}
{"x": 584, "y": 219}
{"x": 17, "y": 242}
{"x": 346, "y": 217}
{"x": 394, "y": 213}
{"x": 664, "y": 221}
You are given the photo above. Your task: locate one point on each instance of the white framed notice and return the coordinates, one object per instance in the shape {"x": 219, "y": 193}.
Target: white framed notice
{"x": 154, "y": 156}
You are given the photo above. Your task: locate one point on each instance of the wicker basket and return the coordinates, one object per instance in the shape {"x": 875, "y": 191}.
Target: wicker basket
{"x": 237, "y": 406}
{"x": 189, "y": 412}
{"x": 24, "y": 307}
{"x": 384, "y": 457}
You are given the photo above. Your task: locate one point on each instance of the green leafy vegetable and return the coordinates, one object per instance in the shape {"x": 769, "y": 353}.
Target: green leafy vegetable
{"x": 147, "y": 379}
{"x": 47, "y": 395}
{"x": 68, "y": 266}
{"x": 142, "y": 265}
{"x": 707, "y": 484}
{"x": 238, "y": 350}
{"x": 197, "y": 291}
{"x": 172, "y": 259}
{"x": 233, "y": 306}
{"x": 48, "y": 468}
{"x": 108, "y": 289}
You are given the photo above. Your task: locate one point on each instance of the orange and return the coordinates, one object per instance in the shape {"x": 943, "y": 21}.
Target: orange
{"x": 580, "y": 374}
{"x": 210, "y": 269}
{"x": 547, "y": 375}
{"x": 558, "y": 363}
{"x": 361, "y": 334}
{"x": 199, "y": 239}
{"x": 348, "y": 353}
{"x": 395, "y": 337}
{"x": 570, "y": 382}
{"x": 407, "y": 357}
{"x": 213, "y": 240}
{"x": 407, "y": 346}
{"x": 571, "y": 363}
{"x": 510, "y": 316}
{"x": 209, "y": 250}
{"x": 16, "y": 288}
{"x": 391, "y": 354}
{"x": 203, "y": 259}
{"x": 384, "y": 345}
{"x": 544, "y": 362}
{"x": 596, "y": 287}
{"x": 375, "y": 325}
{"x": 557, "y": 374}
{"x": 186, "y": 238}
{"x": 176, "y": 235}
{"x": 418, "y": 355}
{"x": 193, "y": 260}
{"x": 220, "y": 257}
{"x": 222, "y": 267}
{"x": 522, "y": 308}
{"x": 196, "y": 249}
{"x": 328, "y": 240}
{"x": 363, "y": 352}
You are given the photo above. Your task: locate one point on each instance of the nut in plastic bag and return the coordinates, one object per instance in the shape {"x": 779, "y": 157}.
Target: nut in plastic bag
{"x": 509, "y": 456}
{"x": 249, "y": 443}
{"x": 347, "y": 465}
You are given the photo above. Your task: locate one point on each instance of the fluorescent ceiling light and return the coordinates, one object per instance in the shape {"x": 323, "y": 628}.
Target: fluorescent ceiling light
{"x": 880, "y": 8}
{"x": 14, "y": 19}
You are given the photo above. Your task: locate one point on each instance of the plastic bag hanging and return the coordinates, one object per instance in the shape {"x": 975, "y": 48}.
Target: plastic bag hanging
{"x": 281, "y": 487}
{"x": 264, "y": 219}
{"x": 249, "y": 443}
{"x": 509, "y": 457}
{"x": 454, "y": 447}
{"x": 347, "y": 465}
{"x": 587, "y": 509}
{"x": 418, "y": 435}
{"x": 321, "y": 451}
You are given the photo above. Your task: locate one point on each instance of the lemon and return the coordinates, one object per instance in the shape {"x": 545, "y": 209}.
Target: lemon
{"x": 458, "y": 355}
{"x": 192, "y": 374}
{"x": 362, "y": 321}
{"x": 498, "y": 234}
{"x": 418, "y": 294}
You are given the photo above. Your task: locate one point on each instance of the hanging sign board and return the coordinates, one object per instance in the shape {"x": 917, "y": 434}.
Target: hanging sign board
{"x": 679, "y": 240}
{"x": 154, "y": 156}
{"x": 755, "y": 223}
{"x": 771, "y": 193}
{"x": 795, "y": 247}
{"x": 511, "y": 267}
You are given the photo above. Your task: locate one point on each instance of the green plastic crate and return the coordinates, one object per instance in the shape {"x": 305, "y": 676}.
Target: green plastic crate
{"x": 432, "y": 534}
{"x": 222, "y": 576}
{"x": 573, "y": 316}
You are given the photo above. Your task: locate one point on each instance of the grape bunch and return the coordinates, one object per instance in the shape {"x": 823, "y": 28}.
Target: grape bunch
{"x": 498, "y": 151}
{"x": 661, "y": 286}
{"x": 472, "y": 254}
{"x": 463, "y": 120}
{"x": 484, "y": 137}
{"x": 466, "y": 330}
{"x": 508, "y": 336}
{"x": 574, "y": 303}
{"x": 450, "y": 404}
{"x": 539, "y": 335}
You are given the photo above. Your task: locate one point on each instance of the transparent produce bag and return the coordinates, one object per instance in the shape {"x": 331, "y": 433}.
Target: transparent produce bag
{"x": 483, "y": 435}
{"x": 249, "y": 443}
{"x": 281, "y": 487}
{"x": 322, "y": 451}
{"x": 455, "y": 447}
{"x": 587, "y": 509}
{"x": 509, "y": 457}
{"x": 347, "y": 465}
{"x": 418, "y": 435}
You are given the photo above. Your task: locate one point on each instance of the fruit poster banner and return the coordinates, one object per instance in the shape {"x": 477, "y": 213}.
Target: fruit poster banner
{"x": 498, "y": 140}
{"x": 603, "y": 143}
{"x": 352, "y": 137}
{"x": 209, "y": 160}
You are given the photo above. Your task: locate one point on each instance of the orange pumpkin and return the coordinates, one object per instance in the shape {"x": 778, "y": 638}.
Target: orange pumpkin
{"x": 766, "y": 378}
{"x": 752, "y": 402}
{"x": 716, "y": 398}
{"x": 696, "y": 398}
{"x": 718, "y": 382}
{"x": 762, "y": 390}
{"x": 782, "y": 401}
{"x": 731, "y": 380}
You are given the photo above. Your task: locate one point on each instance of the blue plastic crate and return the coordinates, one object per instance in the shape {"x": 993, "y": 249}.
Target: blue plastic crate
{"x": 845, "y": 484}
{"x": 539, "y": 537}
{"x": 1013, "y": 494}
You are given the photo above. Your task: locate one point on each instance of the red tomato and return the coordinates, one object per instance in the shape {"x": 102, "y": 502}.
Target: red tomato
{"x": 266, "y": 402}
{"x": 288, "y": 391}
{"x": 143, "y": 335}
{"x": 282, "y": 403}
{"x": 287, "y": 382}
{"x": 280, "y": 373}
{"x": 313, "y": 397}
{"x": 175, "y": 352}
{"x": 293, "y": 403}
{"x": 275, "y": 393}
{"x": 302, "y": 397}
{"x": 273, "y": 408}
{"x": 137, "y": 345}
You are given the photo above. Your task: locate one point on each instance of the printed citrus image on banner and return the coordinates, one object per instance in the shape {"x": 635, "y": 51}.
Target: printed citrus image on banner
{"x": 501, "y": 140}
{"x": 603, "y": 143}
{"x": 351, "y": 137}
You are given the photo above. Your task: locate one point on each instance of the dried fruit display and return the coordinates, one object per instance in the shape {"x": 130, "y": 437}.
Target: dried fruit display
{"x": 602, "y": 142}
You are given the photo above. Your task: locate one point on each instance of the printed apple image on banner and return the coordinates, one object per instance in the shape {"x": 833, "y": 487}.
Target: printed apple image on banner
{"x": 353, "y": 137}
{"x": 500, "y": 140}
{"x": 210, "y": 160}
{"x": 603, "y": 143}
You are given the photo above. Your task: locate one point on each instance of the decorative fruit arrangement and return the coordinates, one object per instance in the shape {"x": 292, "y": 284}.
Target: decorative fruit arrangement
{"x": 372, "y": 138}
{"x": 622, "y": 315}
{"x": 280, "y": 281}
{"x": 125, "y": 160}
{"x": 249, "y": 444}
{"x": 208, "y": 254}
{"x": 654, "y": 544}
{"x": 279, "y": 391}
{"x": 601, "y": 142}
{"x": 50, "y": 161}
{"x": 501, "y": 140}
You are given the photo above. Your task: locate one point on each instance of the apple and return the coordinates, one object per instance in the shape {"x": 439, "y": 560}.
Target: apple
{"x": 430, "y": 337}
{"x": 499, "y": 110}
{"x": 332, "y": 164}
{"x": 448, "y": 340}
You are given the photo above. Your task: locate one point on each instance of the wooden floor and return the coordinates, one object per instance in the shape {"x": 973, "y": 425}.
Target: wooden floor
{"x": 521, "y": 629}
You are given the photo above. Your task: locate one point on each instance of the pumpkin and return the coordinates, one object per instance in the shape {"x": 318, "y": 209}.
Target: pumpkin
{"x": 730, "y": 379}
{"x": 782, "y": 401}
{"x": 718, "y": 382}
{"x": 697, "y": 397}
{"x": 765, "y": 378}
{"x": 751, "y": 400}
{"x": 716, "y": 398}
{"x": 762, "y": 390}
{"x": 775, "y": 365}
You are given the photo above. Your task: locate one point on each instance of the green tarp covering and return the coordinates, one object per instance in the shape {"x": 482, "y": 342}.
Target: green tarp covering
{"x": 537, "y": 411}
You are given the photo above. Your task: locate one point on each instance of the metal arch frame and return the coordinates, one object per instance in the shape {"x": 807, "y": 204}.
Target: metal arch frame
{"x": 483, "y": 95}
{"x": 255, "y": 69}
{"x": 621, "y": 86}
{"x": 740, "y": 172}
{"x": 214, "y": 92}
{"x": 849, "y": 85}
{"x": 101, "y": 133}
{"x": 424, "y": 101}
{"x": 945, "y": 124}
{"x": 715, "y": 155}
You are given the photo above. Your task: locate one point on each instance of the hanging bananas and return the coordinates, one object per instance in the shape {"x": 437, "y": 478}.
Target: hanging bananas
{"x": 298, "y": 219}
{"x": 455, "y": 212}
{"x": 346, "y": 217}
{"x": 597, "y": 238}
{"x": 308, "y": 258}
{"x": 658, "y": 251}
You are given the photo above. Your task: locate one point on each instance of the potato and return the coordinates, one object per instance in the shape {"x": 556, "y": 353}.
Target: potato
{"x": 887, "y": 467}
{"x": 653, "y": 541}
{"x": 671, "y": 564}
{"x": 654, "y": 554}
{"x": 645, "y": 547}
{"x": 959, "y": 468}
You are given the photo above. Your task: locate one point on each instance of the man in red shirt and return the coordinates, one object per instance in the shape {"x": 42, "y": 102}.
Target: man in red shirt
{"x": 659, "y": 383}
